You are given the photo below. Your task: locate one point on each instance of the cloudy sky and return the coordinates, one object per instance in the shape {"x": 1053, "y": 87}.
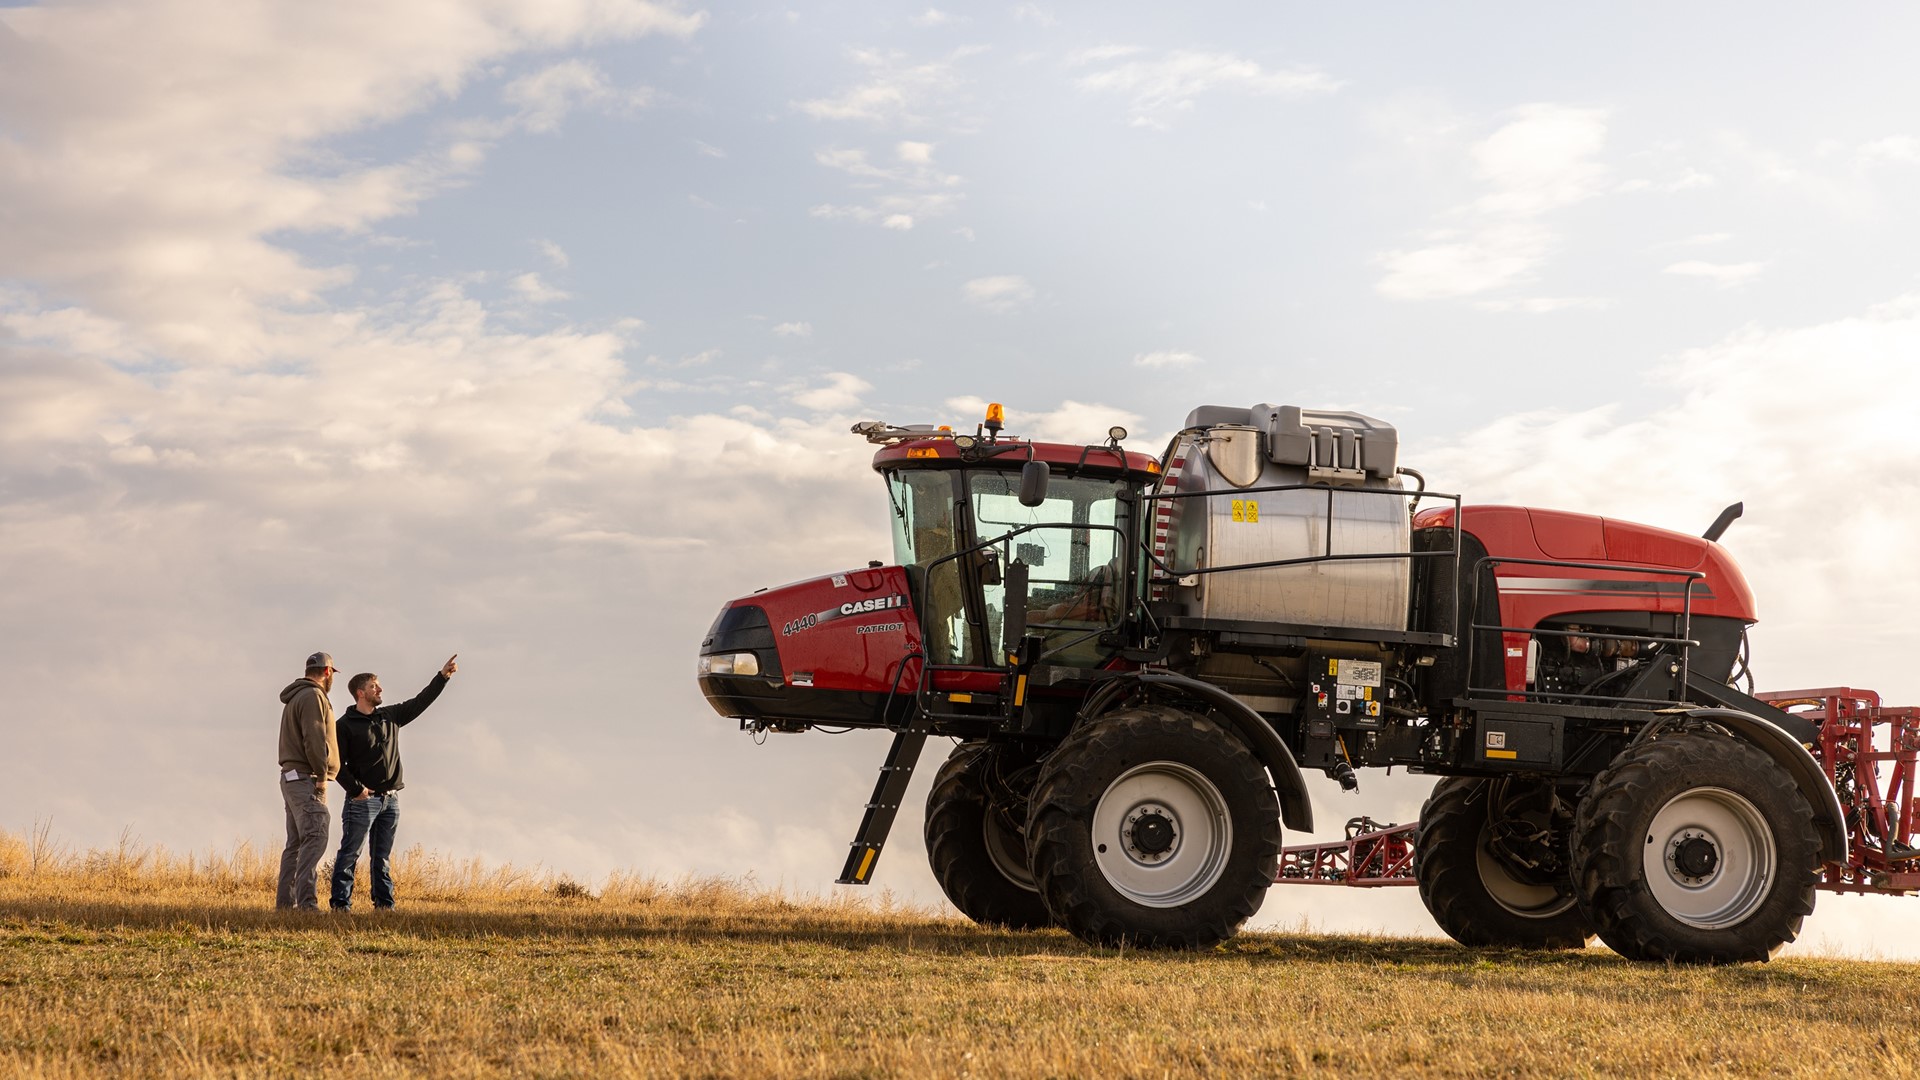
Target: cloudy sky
{"x": 532, "y": 329}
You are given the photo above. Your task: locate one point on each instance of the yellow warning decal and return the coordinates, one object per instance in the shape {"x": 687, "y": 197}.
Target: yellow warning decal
{"x": 963, "y": 699}
{"x": 866, "y": 865}
{"x": 1503, "y": 755}
{"x": 1246, "y": 510}
{"x": 1333, "y": 667}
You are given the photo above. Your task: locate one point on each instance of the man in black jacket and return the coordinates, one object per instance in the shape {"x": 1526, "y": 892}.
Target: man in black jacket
{"x": 369, "y": 736}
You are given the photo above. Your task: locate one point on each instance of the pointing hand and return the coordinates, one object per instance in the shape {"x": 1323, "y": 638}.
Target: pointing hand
{"x": 450, "y": 667}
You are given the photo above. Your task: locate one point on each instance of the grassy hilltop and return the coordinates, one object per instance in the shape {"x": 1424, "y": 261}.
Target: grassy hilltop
{"x": 138, "y": 963}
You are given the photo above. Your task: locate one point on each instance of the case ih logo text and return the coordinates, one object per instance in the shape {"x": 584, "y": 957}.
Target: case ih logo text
{"x": 851, "y": 608}
{"x": 878, "y": 603}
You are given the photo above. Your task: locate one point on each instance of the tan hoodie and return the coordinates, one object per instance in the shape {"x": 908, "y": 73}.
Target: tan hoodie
{"x": 307, "y": 741}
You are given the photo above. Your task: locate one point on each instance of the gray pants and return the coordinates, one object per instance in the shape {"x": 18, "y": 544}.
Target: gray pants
{"x": 307, "y": 825}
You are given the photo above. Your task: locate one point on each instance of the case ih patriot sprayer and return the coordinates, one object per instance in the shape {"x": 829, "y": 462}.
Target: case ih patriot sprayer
{"x": 1140, "y": 657}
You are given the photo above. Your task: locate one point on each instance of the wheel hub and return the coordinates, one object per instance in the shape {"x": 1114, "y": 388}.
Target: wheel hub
{"x": 1162, "y": 834}
{"x": 1710, "y": 857}
{"x": 1695, "y": 856}
{"x": 1150, "y": 833}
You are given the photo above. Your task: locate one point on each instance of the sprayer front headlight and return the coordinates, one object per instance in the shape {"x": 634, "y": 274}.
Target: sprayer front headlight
{"x": 740, "y": 663}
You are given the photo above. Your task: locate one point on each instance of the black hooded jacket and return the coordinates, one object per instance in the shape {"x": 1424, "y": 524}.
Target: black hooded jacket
{"x": 370, "y": 742}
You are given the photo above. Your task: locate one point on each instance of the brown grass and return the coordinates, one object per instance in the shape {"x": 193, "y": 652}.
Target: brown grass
{"x": 136, "y": 962}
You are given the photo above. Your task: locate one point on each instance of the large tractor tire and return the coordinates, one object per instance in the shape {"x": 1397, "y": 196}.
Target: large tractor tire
{"x": 1695, "y": 848}
{"x": 1153, "y": 827}
{"x": 975, "y": 843}
{"x": 1492, "y": 864}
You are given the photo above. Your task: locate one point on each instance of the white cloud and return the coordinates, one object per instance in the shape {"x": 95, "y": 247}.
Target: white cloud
{"x": 794, "y": 329}
{"x": 1100, "y": 54}
{"x": 999, "y": 294}
{"x": 1700, "y": 240}
{"x": 707, "y": 149}
{"x": 697, "y": 360}
{"x": 554, "y": 253}
{"x": 1464, "y": 265}
{"x": 72, "y": 330}
{"x": 1165, "y": 360}
{"x": 531, "y": 289}
{"x": 1171, "y": 83}
{"x": 916, "y": 168}
{"x": 112, "y": 152}
{"x": 1543, "y": 159}
{"x": 1689, "y": 180}
{"x": 890, "y": 210}
{"x": 1544, "y": 305}
{"x": 894, "y": 90}
{"x": 1725, "y": 275}
{"x": 920, "y": 188}
{"x": 1894, "y": 149}
{"x": 932, "y": 17}
{"x": 1032, "y": 13}
{"x": 545, "y": 97}
{"x": 841, "y": 393}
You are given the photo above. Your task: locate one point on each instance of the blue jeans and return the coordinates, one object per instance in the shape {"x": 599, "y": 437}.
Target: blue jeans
{"x": 377, "y": 816}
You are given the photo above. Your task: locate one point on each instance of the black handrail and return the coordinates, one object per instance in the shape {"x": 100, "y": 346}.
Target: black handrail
{"x": 1685, "y": 640}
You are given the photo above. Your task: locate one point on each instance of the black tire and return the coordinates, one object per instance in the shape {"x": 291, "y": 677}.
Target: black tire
{"x": 1695, "y": 848}
{"x": 1153, "y": 827}
{"x": 1482, "y": 899}
{"x": 975, "y": 847}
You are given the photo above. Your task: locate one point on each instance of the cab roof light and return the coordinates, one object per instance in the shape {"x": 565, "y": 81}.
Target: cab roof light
{"x": 996, "y": 419}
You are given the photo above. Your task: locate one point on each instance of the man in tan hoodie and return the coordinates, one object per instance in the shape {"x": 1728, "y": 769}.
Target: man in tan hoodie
{"x": 309, "y": 758}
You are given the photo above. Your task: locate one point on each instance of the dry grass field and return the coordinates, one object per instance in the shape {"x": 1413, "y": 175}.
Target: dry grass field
{"x": 134, "y": 962}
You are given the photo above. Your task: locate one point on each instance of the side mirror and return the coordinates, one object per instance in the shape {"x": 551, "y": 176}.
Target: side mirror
{"x": 1033, "y": 483}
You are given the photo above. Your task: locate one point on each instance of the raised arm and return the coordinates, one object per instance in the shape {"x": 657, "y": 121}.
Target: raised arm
{"x": 409, "y": 710}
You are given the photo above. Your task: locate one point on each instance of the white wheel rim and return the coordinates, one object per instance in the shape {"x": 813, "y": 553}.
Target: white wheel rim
{"x": 1709, "y": 858}
{"x": 1202, "y": 834}
{"x": 1518, "y": 897}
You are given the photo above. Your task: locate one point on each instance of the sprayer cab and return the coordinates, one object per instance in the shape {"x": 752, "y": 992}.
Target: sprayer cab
{"x": 997, "y": 542}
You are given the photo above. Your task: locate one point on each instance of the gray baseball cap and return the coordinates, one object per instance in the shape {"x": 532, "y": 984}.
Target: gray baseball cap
{"x": 320, "y": 659}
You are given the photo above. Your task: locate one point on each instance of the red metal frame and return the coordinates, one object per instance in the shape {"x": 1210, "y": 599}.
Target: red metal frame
{"x": 1857, "y": 737}
{"x": 1372, "y": 855}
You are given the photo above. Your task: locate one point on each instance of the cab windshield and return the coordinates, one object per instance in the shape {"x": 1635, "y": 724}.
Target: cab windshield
{"x": 1073, "y": 545}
